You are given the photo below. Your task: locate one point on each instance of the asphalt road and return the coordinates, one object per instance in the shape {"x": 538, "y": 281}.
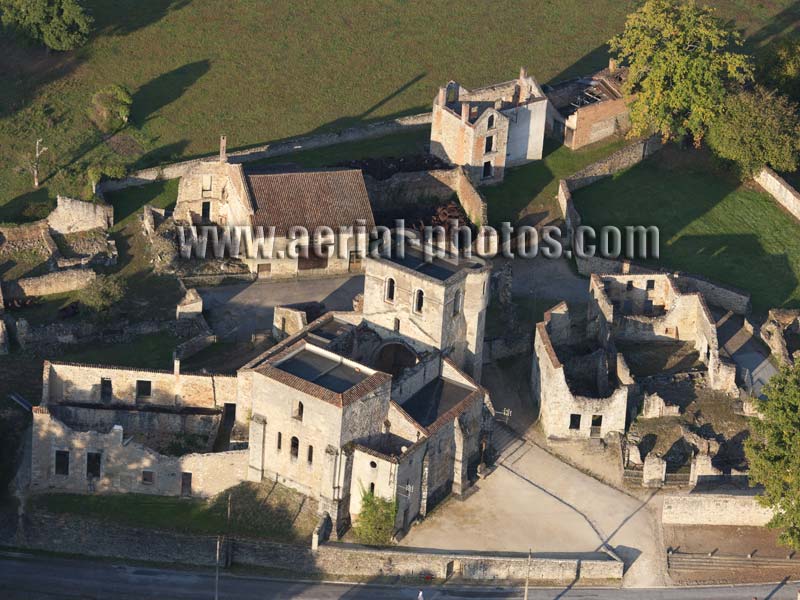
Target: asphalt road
{"x": 31, "y": 577}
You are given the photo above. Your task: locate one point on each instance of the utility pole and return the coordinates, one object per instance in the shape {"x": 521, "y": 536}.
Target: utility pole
{"x": 528, "y": 574}
{"x": 216, "y": 576}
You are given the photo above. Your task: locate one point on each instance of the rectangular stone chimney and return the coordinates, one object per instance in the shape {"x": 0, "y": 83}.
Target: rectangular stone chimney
{"x": 465, "y": 112}
{"x": 223, "y": 149}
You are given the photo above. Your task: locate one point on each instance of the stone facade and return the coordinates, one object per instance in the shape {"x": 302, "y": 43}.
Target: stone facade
{"x": 71, "y": 216}
{"x": 89, "y": 461}
{"x": 778, "y": 188}
{"x": 588, "y": 109}
{"x": 489, "y": 128}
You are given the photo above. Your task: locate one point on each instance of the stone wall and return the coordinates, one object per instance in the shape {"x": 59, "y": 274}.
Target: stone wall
{"x": 715, "y": 509}
{"x": 715, "y": 294}
{"x": 778, "y": 188}
{"x": 56, "y": 282}
{"x": 123, "y": 463}
{"x": 406, "y": 189}
{"x": 504, "y": 347}
{"x": 80, "y": 535}
{"x": 289, "y": 146}
{"x": 71, "y": 216}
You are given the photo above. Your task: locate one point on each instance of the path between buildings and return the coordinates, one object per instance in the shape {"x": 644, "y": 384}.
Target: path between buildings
{"x": 534, "y": 501}
{"x": 236, "y": 311}
{"x": 747, "y": 352}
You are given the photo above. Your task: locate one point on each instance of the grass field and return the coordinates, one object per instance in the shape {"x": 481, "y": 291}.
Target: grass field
{"x": 267, "y": 510}
{"x": 709, "y": 224}
{"x": 266, "y": 71}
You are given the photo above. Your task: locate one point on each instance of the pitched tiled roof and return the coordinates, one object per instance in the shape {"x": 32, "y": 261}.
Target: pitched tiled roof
{"x": 336, "y": 198}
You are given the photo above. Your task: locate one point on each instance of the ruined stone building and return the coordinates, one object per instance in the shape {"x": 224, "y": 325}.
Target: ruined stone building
{"x": 381, "y": 400}
{"x": 586, "y": 110}
{"x": 226, "y": 194}
{"x": 586, "y": 364}
{"x": 490, "y": 128}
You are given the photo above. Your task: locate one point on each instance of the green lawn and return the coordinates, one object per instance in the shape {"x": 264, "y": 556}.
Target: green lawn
{"x": 267, "y": 71}
{"x": 152, "y": 351}
{"x": 267, "y": 510}
{"x": 709, "y": 224}
{"x": 528, "y": 193}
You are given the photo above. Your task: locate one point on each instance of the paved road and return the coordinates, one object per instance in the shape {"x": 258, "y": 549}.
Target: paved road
{"x": 235, "y": 311}
{"x": 41, "y": 578}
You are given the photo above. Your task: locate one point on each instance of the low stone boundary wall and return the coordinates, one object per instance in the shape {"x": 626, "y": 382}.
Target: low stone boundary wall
{"x": 282, "y": 148}
{"x": 80, "y": 535}
{"x": 783, "y": 193}
{"x": 714, "y": 509}
{"x": 56, "y": 282}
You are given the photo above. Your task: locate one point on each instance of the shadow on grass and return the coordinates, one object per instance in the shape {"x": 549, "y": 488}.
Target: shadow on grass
{"x": 122, "y": 17}
{"x": 165, "y": 89}
{"x": 27, "y": 207}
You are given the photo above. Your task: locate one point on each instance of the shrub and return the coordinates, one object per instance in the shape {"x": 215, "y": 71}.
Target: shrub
{"x": 778, "y": 66}
{"x": 102, "y": 293}
{"x": 757, "y": 128}
{"x": 111, "y": 107}
{"x": 97, "y": 171}
{"x": 375, "y": 524}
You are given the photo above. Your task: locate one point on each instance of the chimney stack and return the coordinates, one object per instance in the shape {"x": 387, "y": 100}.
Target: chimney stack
{"x": 223, "y": 149}
{"x": 176, "y": 364}
{"x": 442, "y": 99}
{"x": 465, "y": 112}
{"x": 523, "y": 74}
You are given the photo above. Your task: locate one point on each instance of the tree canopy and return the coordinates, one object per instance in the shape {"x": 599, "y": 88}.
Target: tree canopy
{"x": 778, "y": 66}
{"x": 682, "y": 60}
{"x": 375, "y": 524}
{"x": 756, "y": 128}
{"x": 773, "y": 452}
{"x": 58, "y": 24}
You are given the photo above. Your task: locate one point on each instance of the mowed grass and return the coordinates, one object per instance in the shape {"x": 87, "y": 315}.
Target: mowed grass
{"x": 267, "y": 71}
{"x": 528, "y": 193}
{"x": 709, "y": 224}
{"x": 267, "y": 510}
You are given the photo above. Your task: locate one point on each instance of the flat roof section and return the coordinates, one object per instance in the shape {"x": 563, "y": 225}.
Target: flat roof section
{"x": 438, "y": 268}
{"x": 323, "y": 371}
{"x": 435, "y": 399}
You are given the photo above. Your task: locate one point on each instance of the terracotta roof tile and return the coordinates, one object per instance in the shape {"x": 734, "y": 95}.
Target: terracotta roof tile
{"x": 335, "y": 198}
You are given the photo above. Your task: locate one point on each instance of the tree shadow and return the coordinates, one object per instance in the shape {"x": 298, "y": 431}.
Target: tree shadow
{"x": 165, "y": 89}
{"x": 126, "y": 16}
{"x": 786, "y": 22}
{"x": 590, "y": 63}
{"x": 162, "y": 154}
{"x": 27, "y": 207}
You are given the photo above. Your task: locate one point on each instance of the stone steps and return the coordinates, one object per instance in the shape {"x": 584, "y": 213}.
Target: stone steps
{"x": 703, "y": 562}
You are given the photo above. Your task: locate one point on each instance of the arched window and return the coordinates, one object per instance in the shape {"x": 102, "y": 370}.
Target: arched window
{"x": 298, "y": 414}
{"x": 490, "y": 122}
{"x": 310, "y": 454}
{"x": 295, "y": 450}
{"x": 457, "y": 303}
{"x": 390, "y": 290}
{"x": 419, "y": 301}
{"x": 372, "y": 489}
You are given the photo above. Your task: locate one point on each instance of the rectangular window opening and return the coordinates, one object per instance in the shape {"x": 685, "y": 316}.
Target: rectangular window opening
{"x": 62, "y": 462}
{"x": 93, "y": 460}
{"x": 143, "y": 388}
{"x": 574, "y": 421}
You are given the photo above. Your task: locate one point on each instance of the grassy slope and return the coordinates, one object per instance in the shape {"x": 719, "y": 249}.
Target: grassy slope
{"x": 264, "y": 71}
{"x": 709, "y": 224}
{"x": 266, "y": 510}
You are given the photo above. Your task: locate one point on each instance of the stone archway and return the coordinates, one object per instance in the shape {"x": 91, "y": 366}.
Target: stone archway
{"x": 394, "y": 357}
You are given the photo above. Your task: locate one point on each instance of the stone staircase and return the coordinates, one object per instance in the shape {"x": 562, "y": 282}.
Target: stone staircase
{"x": 681, "y": 562}
{"x": 506, "y": 441}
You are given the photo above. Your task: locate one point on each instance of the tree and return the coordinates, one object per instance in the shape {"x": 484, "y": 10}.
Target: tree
{"x": 111, "y": 107}
{"x": 778, "y": 66}
{"x": 102, "y": 293}
{"x": 681, "y": 60}
{"x": 757, "y": 128}
{"x": 375, "y": 524}
{"x": 58, "y": 24}
{"x": 773, "y": 452}
{"x": 32, "y": 161}
{"x": 97, "y": 171}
